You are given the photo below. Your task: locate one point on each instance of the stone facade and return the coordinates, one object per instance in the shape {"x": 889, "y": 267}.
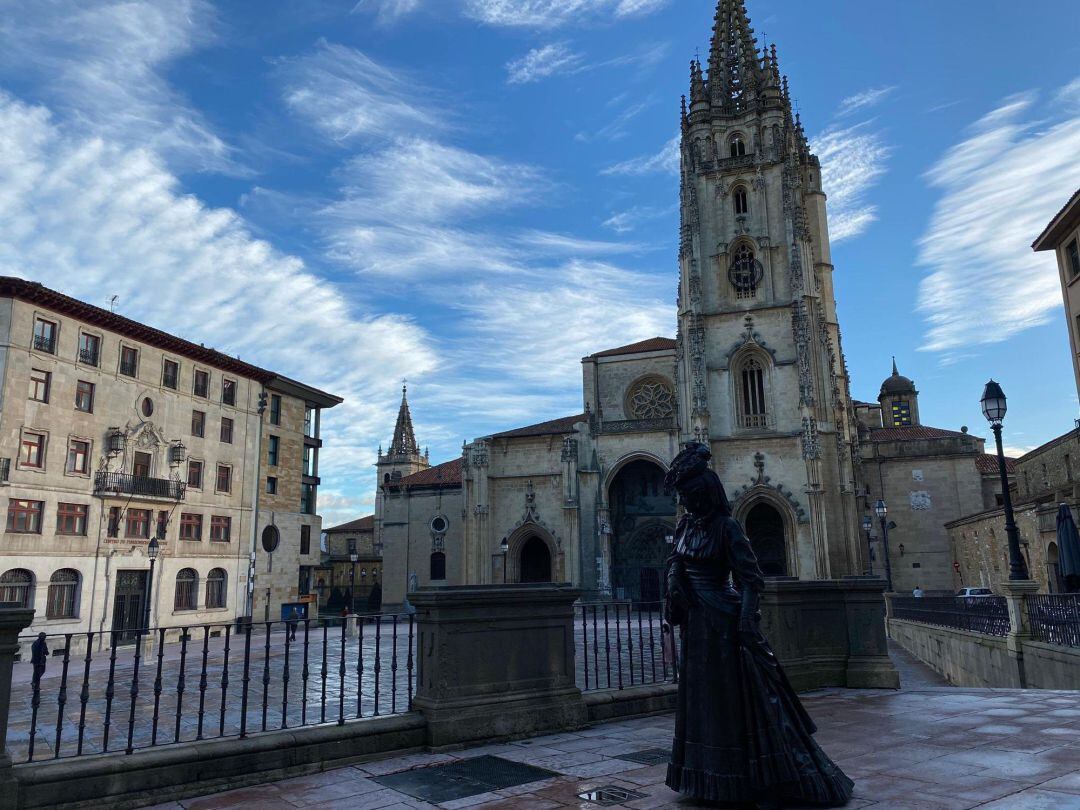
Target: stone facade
{"x": 112, "y": 433}
{"x": 338, "y": 573}
{"x": 1062, "y": 236}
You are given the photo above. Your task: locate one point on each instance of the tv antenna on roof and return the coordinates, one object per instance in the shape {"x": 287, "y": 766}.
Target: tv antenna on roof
{"x": 112, "y": 303}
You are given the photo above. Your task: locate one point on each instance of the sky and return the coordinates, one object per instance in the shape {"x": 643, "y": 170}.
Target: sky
{"x": 474, "y": 194}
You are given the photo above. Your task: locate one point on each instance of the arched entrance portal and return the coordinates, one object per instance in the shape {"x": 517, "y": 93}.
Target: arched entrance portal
{"x": 642, "y": 516}
{"x": 765, "y": 528}
{"x": 535, "y": 561}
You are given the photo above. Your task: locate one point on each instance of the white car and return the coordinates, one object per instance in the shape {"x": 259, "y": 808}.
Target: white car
{"x": 974, "y": 592}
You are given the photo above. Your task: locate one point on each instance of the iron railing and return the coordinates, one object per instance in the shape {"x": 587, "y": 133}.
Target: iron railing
{"x": 981, "y": 614}
{"x": 89, "y": 694}
{"x": 114, "y": 483}
{"x": 1054, "y": 618}
{"x": 88, "y": 356}
{"x": 620, "y": 644}
{"x": 45, "y": 343}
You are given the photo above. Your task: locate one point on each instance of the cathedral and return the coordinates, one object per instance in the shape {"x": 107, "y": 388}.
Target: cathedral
{"x": 756, "y": 370}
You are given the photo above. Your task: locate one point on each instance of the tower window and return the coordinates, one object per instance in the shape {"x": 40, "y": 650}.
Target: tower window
{"x": 752, "y": 397}
{"x": 438, "y": 566}
{"x": 742, "y": 206}
{"x": 737, "y": 145}
{"x": 745, "y": 272}
{"x": 901, "y": 414}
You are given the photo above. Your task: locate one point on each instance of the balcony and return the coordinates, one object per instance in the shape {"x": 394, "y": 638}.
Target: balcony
{"x": 112, "y": 483}
{"x": 45, "y": 343}
{"x": 88, "y": 357}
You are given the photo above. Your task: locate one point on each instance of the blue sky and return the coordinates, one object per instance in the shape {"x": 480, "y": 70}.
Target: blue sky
{"x": 473, "y": 194}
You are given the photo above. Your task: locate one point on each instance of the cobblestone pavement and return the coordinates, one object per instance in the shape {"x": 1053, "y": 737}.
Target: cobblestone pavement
{"x": 924, "y": 747}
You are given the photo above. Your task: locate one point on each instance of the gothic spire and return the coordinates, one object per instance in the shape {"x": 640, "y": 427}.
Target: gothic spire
{"x": 404, "y": 441}
{"x": 735, "y": 71}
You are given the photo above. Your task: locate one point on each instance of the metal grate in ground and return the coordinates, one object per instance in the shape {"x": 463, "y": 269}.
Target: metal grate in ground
{"x": 650, "y": 756}
{"x": 611, "y": 795}
{"x": 459, "y": 780}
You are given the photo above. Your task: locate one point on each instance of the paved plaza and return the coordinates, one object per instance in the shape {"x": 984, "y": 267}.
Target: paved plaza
{"x": 925, "y": 746}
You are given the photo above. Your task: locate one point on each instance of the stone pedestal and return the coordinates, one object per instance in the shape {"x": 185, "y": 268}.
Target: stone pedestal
{"x": 12, "y": 622}
{"x": 496, "y": 661}
{"x": 1014, "y": 591}
{"x": 829, "y": 632}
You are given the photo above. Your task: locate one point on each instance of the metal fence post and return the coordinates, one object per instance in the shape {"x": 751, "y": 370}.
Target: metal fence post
{"x": 12, "y": 622}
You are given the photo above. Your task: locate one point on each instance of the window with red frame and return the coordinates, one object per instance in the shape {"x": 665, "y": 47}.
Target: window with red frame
{"x": 201, "y": 383}
{"x": 78, "y": 459}
{"x": 194, "y": 473}
{"x": 24, "y": 516}
{"x": 220, "y": 528}
{"x": 33, "y": 450}
{"x": 226, "y": 429}
{"x": 228, "y": 391}
{"x": 198, "y": 423}
{"x": 190, "y": 526}
{"x": 162, "y": 523}
{"x": 114, "y": 521}
{"x": 40, "y": 382}
{"x": 224, "y": 478}
{"x": 129, "y": 361}
{"x": 138, "y": 523}
{"x": 71, "y": 518}
{"x": 84, "y": 396}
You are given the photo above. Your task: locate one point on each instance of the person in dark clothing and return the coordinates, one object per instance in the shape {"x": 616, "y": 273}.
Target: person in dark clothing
{"x": 742, "y": 737}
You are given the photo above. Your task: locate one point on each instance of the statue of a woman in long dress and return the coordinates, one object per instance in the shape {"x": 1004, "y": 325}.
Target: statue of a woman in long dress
{"x": 741, "y": 734}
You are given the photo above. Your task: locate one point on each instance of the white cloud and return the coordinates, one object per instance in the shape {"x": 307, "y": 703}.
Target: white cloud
{"x": 859, "y": 101}
{"x": 632, "y": 218}
{"x": 555, "y": 13}
{"x": 93, "y": 218}
{"x": 852, "y": 160}
{"x": 344, "y": 95}
{"x": 616, "y": 129}
{"x": 999, "y": 188}
{"x": 541, "y": 63}
{"x": 387, "y": 11}
{"x": 101, "y": 64}
{"x": 665, "y": 161}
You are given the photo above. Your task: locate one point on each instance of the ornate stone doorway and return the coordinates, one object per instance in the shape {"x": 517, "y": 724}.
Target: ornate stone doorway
{"x": 765, "y": 528}
{"x": 535, "y": 561}
{"x": 642, "y": 517}
{"x": 129, "y": 605}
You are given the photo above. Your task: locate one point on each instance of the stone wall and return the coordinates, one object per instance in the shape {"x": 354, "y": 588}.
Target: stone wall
{"x": 1050, "y": 472}
{"x": 964, "y": 657}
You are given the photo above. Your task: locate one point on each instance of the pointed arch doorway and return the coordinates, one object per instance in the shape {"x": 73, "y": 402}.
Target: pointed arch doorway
{"x": 535, "y": 561}
{"x": 642, "y": 517}
{"x": 765, "y": 528}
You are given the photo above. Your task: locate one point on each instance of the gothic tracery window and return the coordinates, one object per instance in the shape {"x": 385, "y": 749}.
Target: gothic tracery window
{"x": 742, "y": 206}
{"x": 754, "y": 411}
{"x": 745, "y": 272}
{"x": 652, "y": 398}
{"x": 737, "y": 145}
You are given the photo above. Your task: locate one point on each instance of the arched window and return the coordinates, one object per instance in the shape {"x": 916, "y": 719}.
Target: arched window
{"x": 651, "y": 398}
{"x": 63, "y": 594}
{"x": 754, "y": 413}
{"x": 737, "y": 145}
{"x": 17, "y": 586}
{"x": 742, "y": 205}
{"x": 438, "y": 566}
{"x": 186, "y": 595}
{"x": 216, "y": 584}
{"x": 745, "y": 272}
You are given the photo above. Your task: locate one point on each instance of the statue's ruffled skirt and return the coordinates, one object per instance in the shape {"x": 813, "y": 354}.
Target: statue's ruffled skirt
{"x": 741, "y": 733}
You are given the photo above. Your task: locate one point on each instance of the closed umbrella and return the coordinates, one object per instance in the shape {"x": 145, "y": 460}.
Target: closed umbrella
{"x": 1068, "y": 549}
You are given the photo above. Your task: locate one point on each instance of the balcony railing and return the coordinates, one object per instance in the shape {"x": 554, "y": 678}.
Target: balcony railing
{"x": 755, "y": 420}
{"x": 45, "y": 343}
{"x": 88, "y": 356}
{"x": 638, "y": 425}
{"x": 981, "y": 614}
{"x": 112, "y": 483}
{"x": 1055, "y": 618}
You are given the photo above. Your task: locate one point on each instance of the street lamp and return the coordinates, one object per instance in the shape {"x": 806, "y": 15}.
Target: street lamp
{"x": 881, "y": 510}
{"x": 504, "y": 547}
{"x": 868, "y": 525}
{"x": 353, "y": 557}
{"x": 994, "y": 408}
{"x": 152, "y": 551}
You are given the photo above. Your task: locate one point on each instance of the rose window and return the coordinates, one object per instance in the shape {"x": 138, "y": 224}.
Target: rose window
{"x": 652, "y": 399}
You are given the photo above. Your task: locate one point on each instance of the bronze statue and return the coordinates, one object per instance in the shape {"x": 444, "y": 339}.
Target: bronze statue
{"x": 742, "y": 737}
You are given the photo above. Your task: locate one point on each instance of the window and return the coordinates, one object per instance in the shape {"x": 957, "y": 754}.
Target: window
{"x": 84, "y": 396}
{"x": 272, "y": 451}
{"x": 17, "y": 585}
{"x": 89, "y": 349}
{"x": 1072, "y": 257}
{"x": 309, "y": 422}
{"x": 745, "y": 272}
{"x": 275, "y": 409}
{"x": 752, "y": 399}
{"x": 228, "y": 391}
{"x": 78, "y": 458}
{"x": 198, "y": 423}
{"x": 24, "y": 516}
{"x": 40, "y": 381}
{"x": 114, "y": 521}
{"x": 162, "y": 524}
{"x": 187, "y": 583}
{"x": 170, "y": 374}
{"x": 901, "y": 414}
{"x": 307, "y": 499}
{"x": 33, "y": 451}
{"x": 63, "y": 589}
{"x": 741, "y": 204}
{"x": 651, "y": 398}
{"x": 215, "y": 588}
{"x": 138, "y": 523}
{"x": 190, "y": 526}
{"x": 129, "y": 361}
{"x": 737, "y": 146}
{"x": 305, "y": 539}
{"x": 194, "y": 474}
{"x": 224, "y": 478}
{"x": 45, "y": 335}
{"x": 71, "y": 518}
{"x": 141, "y": 464}
{"x": 201, "y": 387}
{"x": 271, "y": 485}
{"x": 309, "y": 460}
{"x": 438, "y": 566}
{"x": 220, "y": 528}
{"x": 226, "y": 429}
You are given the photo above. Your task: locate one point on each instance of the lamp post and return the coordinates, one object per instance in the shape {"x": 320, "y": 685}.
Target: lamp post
{"x": 994, "y": 408}
{"x": 353, "y": 557}
{"x": 152, "y": 551}
{"x": 881, "y": 510}
{"x": 868, "y": 525}
{"x": 504, "y": 547}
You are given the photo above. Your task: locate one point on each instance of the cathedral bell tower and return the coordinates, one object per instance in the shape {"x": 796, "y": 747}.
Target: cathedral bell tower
{"x": 403, "y": 458}
{"x": 762, "y": 376}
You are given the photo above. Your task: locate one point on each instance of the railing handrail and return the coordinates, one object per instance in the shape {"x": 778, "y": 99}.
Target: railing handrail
{"x": 980, "y": 614}
{"x": 1054, "y": 618}
{"x": 105, "y": 481}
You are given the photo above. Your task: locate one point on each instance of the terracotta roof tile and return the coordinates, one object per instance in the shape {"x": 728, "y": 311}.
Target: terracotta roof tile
{"x": 913, "y": 433}
{"x": 651, "y": 345}
{"x": 446, "y": 474}
{"x": 988, "y": 464}
{"x": 554, "y": 427}
{"x": 364, "y": 524}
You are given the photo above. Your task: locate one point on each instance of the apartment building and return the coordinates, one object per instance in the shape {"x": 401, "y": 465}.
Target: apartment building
{"x": 118, "y": 439}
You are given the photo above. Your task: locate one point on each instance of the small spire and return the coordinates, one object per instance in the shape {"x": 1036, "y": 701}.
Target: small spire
{"x": 404, "y": 442}
{"x": 895, "y": 372}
